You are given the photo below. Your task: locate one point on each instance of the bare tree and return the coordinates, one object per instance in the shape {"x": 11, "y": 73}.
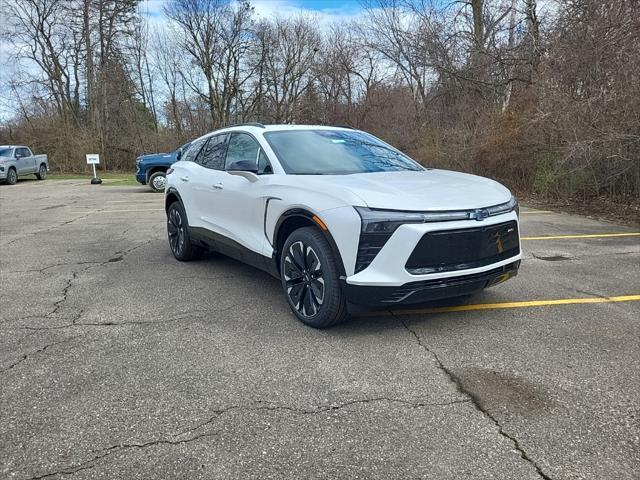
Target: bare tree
{"x": 289, "y": 50}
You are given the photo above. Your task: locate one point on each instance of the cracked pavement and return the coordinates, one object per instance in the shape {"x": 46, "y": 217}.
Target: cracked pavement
{"x": 116, "y": 361}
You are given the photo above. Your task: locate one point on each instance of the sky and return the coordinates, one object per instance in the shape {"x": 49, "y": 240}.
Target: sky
{"x": 327, "y": 11}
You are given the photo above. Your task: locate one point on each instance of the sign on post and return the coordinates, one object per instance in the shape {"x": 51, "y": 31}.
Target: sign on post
{"x": 93, "y": 159}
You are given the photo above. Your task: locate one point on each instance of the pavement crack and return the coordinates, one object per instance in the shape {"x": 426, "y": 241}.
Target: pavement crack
{"x": 43, "y": 270}
{"x": 475, "y": 401}
{"x": 46, "y": 230}
{"x": 260, "y": 406}
{"x": 35, "y": 352}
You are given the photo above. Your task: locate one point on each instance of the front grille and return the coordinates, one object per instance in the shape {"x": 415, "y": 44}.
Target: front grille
{"x": 451, "y": 250}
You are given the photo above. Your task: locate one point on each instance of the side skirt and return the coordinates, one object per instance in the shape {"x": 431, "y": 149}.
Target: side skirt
{"x": 231, "y": 248}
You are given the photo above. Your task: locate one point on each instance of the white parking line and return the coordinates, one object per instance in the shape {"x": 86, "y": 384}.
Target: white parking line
{"x": 124, "y": 211}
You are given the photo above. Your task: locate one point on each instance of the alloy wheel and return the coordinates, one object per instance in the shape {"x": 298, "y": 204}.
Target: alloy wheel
{"x": 43, "y": 172}
{"x": 175, "y": 229}
{"x": 304, "y": 279}
{"x": 159, "y": 182}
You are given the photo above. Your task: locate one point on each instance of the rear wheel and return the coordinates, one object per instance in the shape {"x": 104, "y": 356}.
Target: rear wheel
{"x": 12, "y": 177}
{"x": 158, "y": 181}
{"x": 310, "y": 279}
{"x": 178, "y": 232}
{"x": 42, "y": 172}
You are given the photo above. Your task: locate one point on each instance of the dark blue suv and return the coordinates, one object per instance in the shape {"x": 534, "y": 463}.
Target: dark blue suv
{"x": 151, "y": 169}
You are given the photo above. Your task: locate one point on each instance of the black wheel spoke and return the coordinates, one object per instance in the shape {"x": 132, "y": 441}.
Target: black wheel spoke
{"x": 297, "y": 255}
{"x": 311, "y": 260}
{"x": 317, "y": 288}
{"x": 310, "y": 303}
{"x": 291, "y": 269}
{"x": 295, "y": 293}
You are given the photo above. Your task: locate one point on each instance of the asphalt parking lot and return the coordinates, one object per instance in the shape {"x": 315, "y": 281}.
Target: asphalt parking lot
{"x": 116, "y": 361}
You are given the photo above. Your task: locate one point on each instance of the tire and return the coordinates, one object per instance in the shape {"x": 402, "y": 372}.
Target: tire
{"x": 158, "y": 181}
{"x": 180, "y": 241}
{"x": 42, "y": 172}
{"x": 310, "y": 280}
{"x": 12, "y": 177}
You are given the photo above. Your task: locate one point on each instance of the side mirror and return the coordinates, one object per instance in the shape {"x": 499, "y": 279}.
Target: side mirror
{"x": 243, "y": 166}
{"x": 179, "y": 155}
{"x": 18, "y": 156}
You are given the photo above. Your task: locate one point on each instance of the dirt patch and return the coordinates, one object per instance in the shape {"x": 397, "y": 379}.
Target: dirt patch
{"x": 620, "y": 212}
{"x": 552, "y": 258}
{"x": 499, "y": 390}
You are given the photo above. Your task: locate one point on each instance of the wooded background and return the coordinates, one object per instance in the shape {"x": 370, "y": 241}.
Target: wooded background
{"x": 546, "y": 100}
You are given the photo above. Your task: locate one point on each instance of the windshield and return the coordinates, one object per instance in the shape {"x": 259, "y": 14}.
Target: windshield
{"x": 182, "y": 148}
{"x": 335, "y": 152}
{"x": 6, "y": 152}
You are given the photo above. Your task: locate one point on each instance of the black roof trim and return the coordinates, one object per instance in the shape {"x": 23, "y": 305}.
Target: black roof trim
{"x": 250, "y": 124}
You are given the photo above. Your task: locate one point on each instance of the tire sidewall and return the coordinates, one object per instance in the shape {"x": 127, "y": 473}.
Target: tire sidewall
{"x": 42, "y": 172}
{"x": 331, "y": 309}
{"x": 12, "y": 177}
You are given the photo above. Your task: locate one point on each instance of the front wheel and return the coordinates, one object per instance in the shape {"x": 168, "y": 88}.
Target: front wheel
{"x": 12, "y": 177}
{"x": 158, "y": 181}
{"x": 42, "y": 172}
{"x": 310, "y": 279}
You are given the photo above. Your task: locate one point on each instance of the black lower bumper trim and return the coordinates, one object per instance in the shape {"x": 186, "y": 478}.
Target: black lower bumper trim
{"x": 428, "y": 290}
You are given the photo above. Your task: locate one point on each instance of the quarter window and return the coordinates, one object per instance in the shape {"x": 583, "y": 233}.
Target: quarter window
{"x": 193, "y": 150}
{"x": 212, "y": 154}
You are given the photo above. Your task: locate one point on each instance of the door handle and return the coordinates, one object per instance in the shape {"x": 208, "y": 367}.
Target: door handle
{"x": 184, "y": 179}
{"x": 217, "y": 186}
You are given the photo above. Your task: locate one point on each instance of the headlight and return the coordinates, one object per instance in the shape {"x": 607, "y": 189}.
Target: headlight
{"x": 505, "y": 208}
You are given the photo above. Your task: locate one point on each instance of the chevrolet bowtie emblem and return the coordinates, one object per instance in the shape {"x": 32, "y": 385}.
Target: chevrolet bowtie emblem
{"x": 480, "y": 214}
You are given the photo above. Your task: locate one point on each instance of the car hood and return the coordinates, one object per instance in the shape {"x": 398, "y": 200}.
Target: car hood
{"x": 154, "y": 156}
{"x": 420, "y": 190}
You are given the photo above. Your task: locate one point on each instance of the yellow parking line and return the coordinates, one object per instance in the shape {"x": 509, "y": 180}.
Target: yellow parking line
{"x": 592, "y": 235}
{"x": 526, "y": 304}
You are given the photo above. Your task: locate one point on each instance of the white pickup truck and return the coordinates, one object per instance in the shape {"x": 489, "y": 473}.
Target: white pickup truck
{"x": 18, "y": 160}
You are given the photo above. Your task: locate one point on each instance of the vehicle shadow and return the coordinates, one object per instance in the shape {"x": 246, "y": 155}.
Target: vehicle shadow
{"x": 363, "y": 319}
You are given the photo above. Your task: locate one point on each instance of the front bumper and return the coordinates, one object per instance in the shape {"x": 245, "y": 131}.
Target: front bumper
{"x": 429, "y": 290}
{"x": 388, "y": 278}
{"x": 3, "y": 173}
{"x": 141, "y": 177}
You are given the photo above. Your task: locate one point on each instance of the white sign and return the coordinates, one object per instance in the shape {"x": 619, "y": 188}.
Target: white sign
{"x": 93, "y": 159}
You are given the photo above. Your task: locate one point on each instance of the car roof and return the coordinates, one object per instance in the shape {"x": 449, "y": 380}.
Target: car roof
{"x": 256, "y": 128}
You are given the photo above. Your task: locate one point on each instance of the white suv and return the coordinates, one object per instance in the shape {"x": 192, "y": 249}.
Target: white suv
{"x": 339, "y": 217}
